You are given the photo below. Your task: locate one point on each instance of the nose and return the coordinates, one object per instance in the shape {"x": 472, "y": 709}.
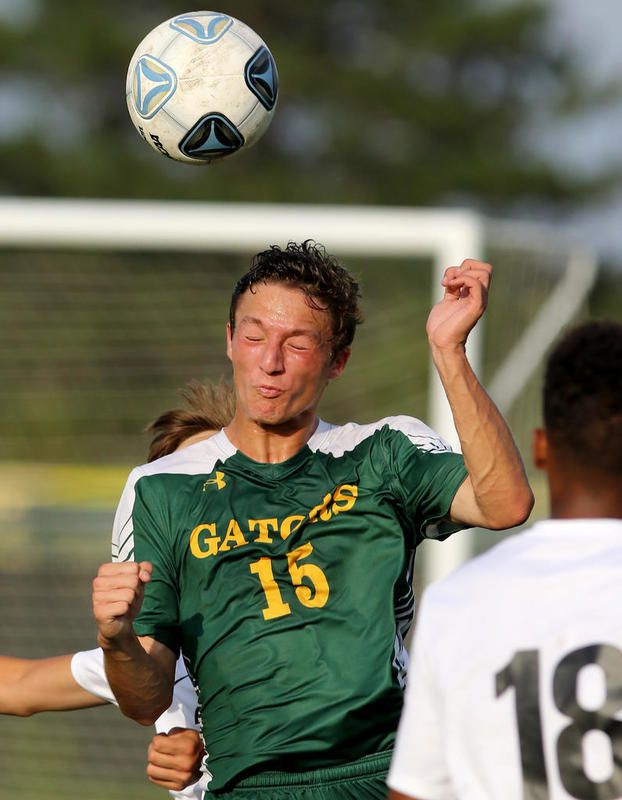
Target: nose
{"x": 272, "y": 358}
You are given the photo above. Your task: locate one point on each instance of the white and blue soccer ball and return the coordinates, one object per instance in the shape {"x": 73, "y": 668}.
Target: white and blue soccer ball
{"x": 201, "y": 86}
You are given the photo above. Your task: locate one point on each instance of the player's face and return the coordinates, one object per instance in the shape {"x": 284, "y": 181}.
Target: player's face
{"x": 281, "y": 355}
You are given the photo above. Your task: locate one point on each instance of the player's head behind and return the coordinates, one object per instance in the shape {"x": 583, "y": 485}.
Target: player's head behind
{"x": 327, "y": 286}
{"x": 208, "y": 408}
{"x": 582, "y": 402}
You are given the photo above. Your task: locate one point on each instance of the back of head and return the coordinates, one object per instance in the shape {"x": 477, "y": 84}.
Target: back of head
{"x": 583, "y": 399}
{"x": 308, "y": 267}
{"x": 208, "y": 407}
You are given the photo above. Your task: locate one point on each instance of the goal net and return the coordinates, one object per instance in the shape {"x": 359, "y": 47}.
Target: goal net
{"x": 108, "y": 308}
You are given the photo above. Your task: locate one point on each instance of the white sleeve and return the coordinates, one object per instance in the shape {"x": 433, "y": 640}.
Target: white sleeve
{"x": 87, "y": 668}
{"x": 419, "y": 768}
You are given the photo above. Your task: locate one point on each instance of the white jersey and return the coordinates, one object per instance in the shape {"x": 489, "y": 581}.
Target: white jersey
{"x": 88, "y": 671}
{"x": 515, "y": 689}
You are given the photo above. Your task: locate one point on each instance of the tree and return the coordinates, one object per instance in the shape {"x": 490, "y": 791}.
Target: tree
{"x": 381, "y": 102}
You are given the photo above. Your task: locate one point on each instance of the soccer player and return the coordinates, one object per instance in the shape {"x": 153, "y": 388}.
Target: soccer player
{"x": 73, "y": 681}
{"x": 278, "y": 554}
{"x": 516, "y": 686}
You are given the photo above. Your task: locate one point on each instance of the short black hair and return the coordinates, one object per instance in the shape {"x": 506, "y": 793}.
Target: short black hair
{"x": 583, "y": 396}
{"x": 325, "y": 283}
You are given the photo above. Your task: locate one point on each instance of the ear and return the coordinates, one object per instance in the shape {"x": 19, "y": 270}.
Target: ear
{"x": 540, "y": 449}
{"x": 229, "y": 337}
{"x": 339, "y": 364}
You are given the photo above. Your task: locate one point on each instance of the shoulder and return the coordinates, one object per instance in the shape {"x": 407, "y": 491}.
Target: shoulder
{"x": 196, "y": 459}
{"x": 339, "y": 439}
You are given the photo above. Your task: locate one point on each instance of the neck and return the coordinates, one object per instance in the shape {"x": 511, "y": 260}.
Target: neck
{"x": 270, "y": 444}
{"x": 583, "y": 499}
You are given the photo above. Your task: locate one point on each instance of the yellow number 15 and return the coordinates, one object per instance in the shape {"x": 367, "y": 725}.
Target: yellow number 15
{"x": 314, "y": 596}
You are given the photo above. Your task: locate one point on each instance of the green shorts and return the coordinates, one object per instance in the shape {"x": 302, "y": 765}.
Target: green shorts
{"x": 364, "y": 779}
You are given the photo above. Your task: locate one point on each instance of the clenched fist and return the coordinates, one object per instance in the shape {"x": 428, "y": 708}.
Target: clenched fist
{"x": 118, "y": 592}
{"x": 175, "y": 758}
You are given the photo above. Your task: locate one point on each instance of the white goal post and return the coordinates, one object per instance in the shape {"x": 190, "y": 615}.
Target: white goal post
{"x": 446, "y": 236}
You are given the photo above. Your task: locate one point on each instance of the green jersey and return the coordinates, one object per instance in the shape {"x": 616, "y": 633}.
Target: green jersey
{"x": 288, "y": 587}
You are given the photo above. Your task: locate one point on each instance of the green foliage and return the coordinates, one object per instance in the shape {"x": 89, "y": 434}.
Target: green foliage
{"x": 388, "y": 102}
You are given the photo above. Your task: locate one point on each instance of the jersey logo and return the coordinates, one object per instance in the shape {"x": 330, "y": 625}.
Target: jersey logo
{"x": 219, "y": 481}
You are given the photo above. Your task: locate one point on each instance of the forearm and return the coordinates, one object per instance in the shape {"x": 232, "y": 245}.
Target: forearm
{"x": 31, "y": 686}
{"x": 141, "y": 683}
{"x": 497, "y": 493}
{"x": 13, "y": 673}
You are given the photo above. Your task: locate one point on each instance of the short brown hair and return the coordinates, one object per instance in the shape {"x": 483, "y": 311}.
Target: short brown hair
{"x": 208, "y": 406}
{"x": 326, "y": 284}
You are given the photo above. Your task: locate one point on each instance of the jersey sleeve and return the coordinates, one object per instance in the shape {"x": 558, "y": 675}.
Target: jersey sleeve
{"x": 122, "y": 546}
{"x": 159, "y": 614}
{"x": 426, "y": 475}
{"x": 87, "y": 668}
{"x": 419, "y": 767}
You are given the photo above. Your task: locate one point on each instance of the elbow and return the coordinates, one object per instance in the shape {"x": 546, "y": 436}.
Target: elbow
{"x": 523, "y": 505}
{"x": 147, "y": 721}
{"x": 19, "y": 704}
{"x": 145, "y": 716}
{"x": 20, "y": 711}
{"x": 515, "y": 512}
{"x": 142, "y": 719}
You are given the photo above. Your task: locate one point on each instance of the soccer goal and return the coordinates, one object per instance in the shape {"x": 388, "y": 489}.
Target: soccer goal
{"x": 540, "y": 283}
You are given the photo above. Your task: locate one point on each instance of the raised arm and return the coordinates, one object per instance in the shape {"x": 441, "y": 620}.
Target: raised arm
{"x": 140, "y": 671}
{"x": 496, "y": 493}
{"x": 28, "y": 686}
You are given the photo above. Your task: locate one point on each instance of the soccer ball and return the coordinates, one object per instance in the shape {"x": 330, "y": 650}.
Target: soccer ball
{"x": 201, "y": 86}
